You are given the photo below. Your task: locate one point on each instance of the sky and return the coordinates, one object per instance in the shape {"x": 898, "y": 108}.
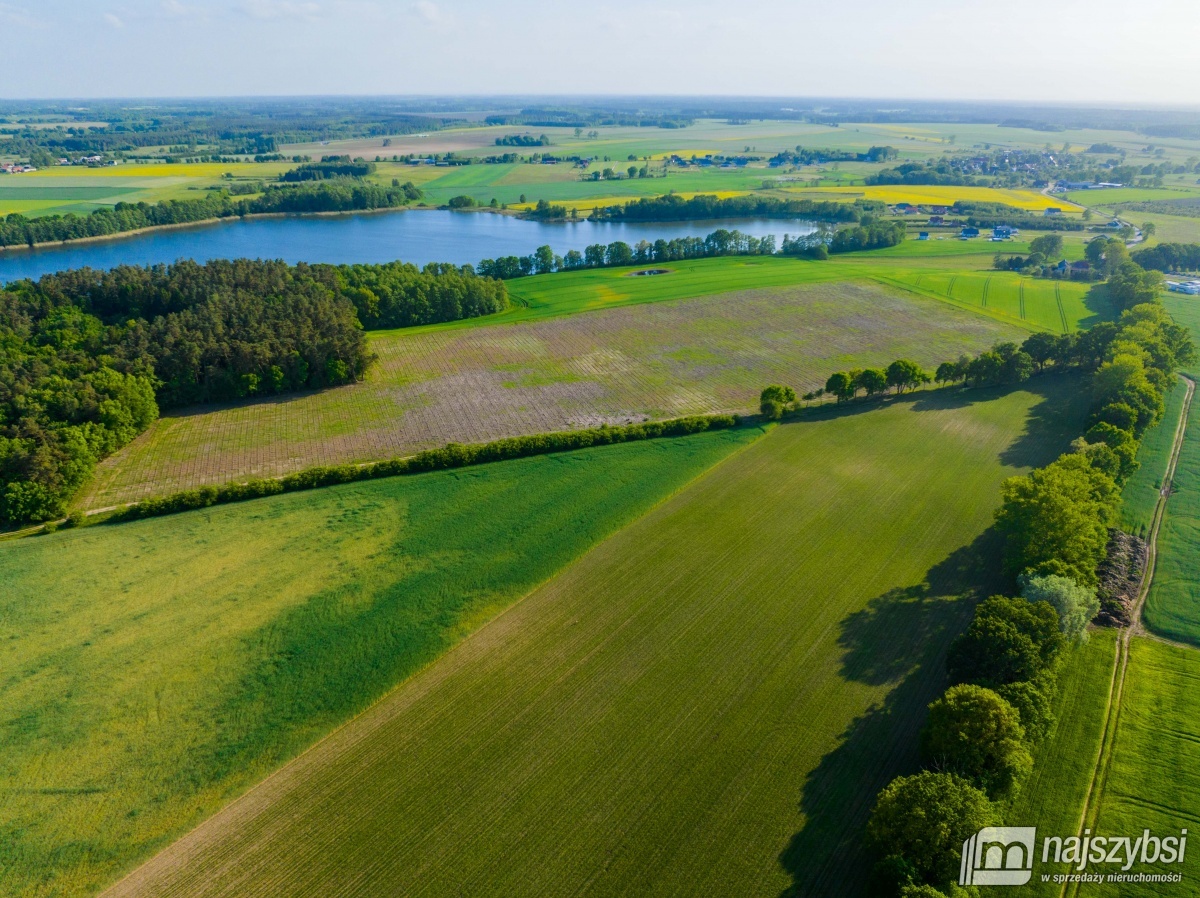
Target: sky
{"x": 1103, "y": 51}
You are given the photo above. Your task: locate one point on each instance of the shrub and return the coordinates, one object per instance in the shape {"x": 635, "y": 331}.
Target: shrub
{"x": 774, "y": 400}
{"x": 925, "y": 819}
{"x": 1076, "y": 605}
{"x": 975, "y": 733}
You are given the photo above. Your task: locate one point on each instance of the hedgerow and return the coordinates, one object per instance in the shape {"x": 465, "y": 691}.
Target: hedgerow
{"x": 453, "y": 455}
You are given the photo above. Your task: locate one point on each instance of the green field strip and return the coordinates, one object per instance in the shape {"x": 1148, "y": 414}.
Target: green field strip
{"x": 154, "y": 670}
{"x": 1154, "y": 778}
{"x": 1173, "y": 605}
{"x": 1021, "y": 288}
{"x": 1053, "y": 797}
{"x": 705, "y": 704}
{"x": 1140, "y": 494}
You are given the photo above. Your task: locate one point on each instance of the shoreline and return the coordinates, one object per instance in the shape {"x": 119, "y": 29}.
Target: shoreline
{"x": 205, "y": 223}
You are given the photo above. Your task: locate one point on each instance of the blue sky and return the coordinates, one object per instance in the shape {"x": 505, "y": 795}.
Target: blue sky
{"x": 1049, "y": 50}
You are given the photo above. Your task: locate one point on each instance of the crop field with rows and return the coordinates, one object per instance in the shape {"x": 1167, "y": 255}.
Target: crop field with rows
{"x": 472, "y": 384}
{"x": 706, "y": 704}
{"x": 152, "y": 671}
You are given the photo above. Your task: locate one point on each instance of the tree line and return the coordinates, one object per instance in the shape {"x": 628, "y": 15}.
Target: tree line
{"x": 1169, "y": 257}
{"x": 91, "y": 357}
{"x": 320, "y": 196}
{"x": 673, "y": 207}
{"x": 544, "y": 260}
{"x": 1056, "y": 523}
{"x": 329, "y": 168}
{"x": 453, "y": 455}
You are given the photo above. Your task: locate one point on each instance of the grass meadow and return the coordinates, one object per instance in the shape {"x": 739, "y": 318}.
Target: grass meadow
{"x": 1173, "y": 605}
{"x": 640, "y": 358}
{"x": 1154, "y": 781}
{"x": 706, "y": 704}
{"x": 1054, "y": 796}
{"x": 169, "y": 664}
{"x": 1140, "y": 493}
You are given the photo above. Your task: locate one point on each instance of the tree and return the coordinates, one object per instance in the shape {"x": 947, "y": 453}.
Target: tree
{"x": 774, "y": 400}
{"x": 1148, "y": 229}
{"x": 1131, "y": 285}
{"x": 1056, "y": 519}
{"x": 1033, "y": 700}
{"x": 904, "y": 374}
{"x": 1040, "y": 348}
{"x": 947, "y": 372}
{"x": 872, "y": 380}
{"x": 840, "y": 385}
{"x": 925, "y": 819}
{"x": 975, "y": 733}
{"x": 1007, "y": 641}
{"x": 1076, "y": 605}
{"x": 1050, "y": 246}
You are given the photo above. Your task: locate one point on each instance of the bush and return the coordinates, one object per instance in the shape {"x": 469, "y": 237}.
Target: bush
{"x": 1076, "y": 605}
{"x": 925, "y": 819}
{"x": 774, "y": 401}
{"x": 975, "y": 733}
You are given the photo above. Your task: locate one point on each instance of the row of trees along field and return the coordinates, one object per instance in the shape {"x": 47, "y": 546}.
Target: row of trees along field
{"x": 721, "y": 242}
{"x": 1057, "y": 525}
{"x": 90, "y": 357}
{"x": 673, "y": 207}
{"x": 338, "y": 195}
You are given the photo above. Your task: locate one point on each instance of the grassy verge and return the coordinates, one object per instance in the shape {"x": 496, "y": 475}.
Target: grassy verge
{"x": 706, "y": 704}
{"x": 1141, "y": 491}
{"x": 152, "y": 671}
{"x": 1173, "y": 605}
{"x": 1053, "y": 798}
{"x": 1154, "y": 781}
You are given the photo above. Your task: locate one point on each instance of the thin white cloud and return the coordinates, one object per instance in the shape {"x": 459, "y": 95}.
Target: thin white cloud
{"x": 12, "y": 16}
{"x": 428, "y": 10}
{"x": 114, "y": 20}
{"x": 279, "y": 9}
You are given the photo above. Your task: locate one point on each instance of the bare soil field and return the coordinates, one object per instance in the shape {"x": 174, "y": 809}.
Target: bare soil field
{"x": 705, "y": 355}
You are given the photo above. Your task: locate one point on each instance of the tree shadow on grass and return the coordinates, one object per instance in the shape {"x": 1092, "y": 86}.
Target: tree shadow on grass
{"x": 899, "y": 638}
{"x": 1053, "y": 422}
{"x": 1100, "y": 303}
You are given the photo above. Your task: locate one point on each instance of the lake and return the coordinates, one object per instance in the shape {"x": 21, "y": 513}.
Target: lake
{"x": 418, "y": 236}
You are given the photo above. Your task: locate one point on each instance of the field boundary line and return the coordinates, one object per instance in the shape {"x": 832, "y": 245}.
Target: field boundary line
{"x": 1116, "y": 690}
{"x": 970, "y": 307}
{"x": 344, "y": 730}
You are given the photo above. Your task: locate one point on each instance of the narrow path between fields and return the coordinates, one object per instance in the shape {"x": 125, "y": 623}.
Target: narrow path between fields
{"x": 1116, "y": 689}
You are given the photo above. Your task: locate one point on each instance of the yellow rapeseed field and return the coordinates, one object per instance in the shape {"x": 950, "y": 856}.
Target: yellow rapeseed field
{"x": 1030, "y": 200}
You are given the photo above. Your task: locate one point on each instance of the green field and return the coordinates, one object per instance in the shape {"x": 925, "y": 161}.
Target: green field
{"x": 1140, "y": 493}
{"x": 1053, "y": 797}
{"x": 1173, "y": 606}
{"x": 704, "y": 705}
{"x": 1185, "y": 310}
{"x": 1154, "y": 781}
{"x": 154, "y": 670}
{"x": 639, "y": 358}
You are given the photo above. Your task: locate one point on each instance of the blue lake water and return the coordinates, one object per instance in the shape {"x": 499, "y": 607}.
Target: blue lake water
{"x": 416, "y": 236}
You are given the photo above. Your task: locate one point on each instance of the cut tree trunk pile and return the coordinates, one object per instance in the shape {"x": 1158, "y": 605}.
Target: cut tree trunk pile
{"x": 1120, "y": 576}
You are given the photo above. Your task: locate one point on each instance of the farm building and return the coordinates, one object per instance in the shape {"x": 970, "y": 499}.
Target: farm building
{"x": 967, "y": 233}
{"x": 1054, "y": 210}
{"x": 1191, "y": 288}
{"x": 924, "y": 235}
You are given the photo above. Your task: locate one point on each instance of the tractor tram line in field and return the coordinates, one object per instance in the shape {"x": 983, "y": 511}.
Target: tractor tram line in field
{"x": 1116, "y": 690}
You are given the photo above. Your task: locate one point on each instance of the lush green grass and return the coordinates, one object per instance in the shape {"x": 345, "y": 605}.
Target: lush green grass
{"x": 925, "y": 267}
{"x": 1154, "y": 781}
{"x": 1173, "y": 606}
{"x": 1140, "y": 495}
{"x": 705, "y": 705}
{"x": 153, "y": 670}
{"x": 1053, "y": 798}
{"x": 1185, "y": 310}
{"x": 472, "y": 384}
